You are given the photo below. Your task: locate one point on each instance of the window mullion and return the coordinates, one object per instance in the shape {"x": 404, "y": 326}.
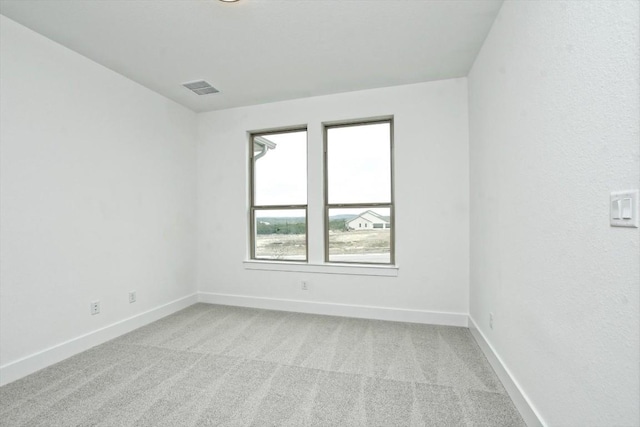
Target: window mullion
{"x": 315, "y": 200}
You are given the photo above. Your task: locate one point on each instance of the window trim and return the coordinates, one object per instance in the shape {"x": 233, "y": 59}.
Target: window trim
{"x": 391, "y": 205}
{"x": 383, "y": 270}
{"x": 252, "y": 187}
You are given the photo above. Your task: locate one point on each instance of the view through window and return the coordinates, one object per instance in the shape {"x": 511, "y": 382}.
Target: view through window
{"x": 279, "y": 196}
{"x": 358, "y": 193}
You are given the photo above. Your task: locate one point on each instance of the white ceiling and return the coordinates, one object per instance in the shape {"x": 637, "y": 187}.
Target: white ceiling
{"x": 258, "y": 51}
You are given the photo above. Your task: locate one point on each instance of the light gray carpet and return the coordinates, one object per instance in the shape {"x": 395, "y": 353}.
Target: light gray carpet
{"x": 230, "y": 366}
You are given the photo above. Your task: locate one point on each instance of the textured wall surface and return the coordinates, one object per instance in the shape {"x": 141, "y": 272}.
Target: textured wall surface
{"x": 97, "y": 195}
{"x": 553, "y": 106}
{"x": 431, "y": 189}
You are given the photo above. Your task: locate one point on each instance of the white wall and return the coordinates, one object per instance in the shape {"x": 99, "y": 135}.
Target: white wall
{"x": 98, "y": 188}
{"x": 553, "y": 106}
{"x": 431, "y": 188}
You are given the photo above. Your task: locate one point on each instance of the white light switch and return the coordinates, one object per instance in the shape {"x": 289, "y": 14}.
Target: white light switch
{"x": 616, "y": 208}
{"x": 624, "y": 209}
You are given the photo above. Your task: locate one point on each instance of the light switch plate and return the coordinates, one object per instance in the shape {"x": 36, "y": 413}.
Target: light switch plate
{"x": 623, "y": 209}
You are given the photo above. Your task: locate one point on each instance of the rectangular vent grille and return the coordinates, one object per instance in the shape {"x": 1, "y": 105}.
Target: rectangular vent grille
{"x": 200, "y": 87}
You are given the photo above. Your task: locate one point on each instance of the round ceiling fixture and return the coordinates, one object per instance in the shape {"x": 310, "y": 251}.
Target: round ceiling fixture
{"x": 228, "y": 1}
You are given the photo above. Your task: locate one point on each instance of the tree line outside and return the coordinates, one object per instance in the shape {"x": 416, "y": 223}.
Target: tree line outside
{"x": 293, "y": 225}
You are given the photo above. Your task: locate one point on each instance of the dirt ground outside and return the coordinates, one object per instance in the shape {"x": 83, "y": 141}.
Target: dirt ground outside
{"x": 293, "y": 246}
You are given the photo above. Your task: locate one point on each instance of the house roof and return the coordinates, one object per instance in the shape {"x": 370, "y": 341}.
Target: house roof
{"x": 260, "y": 141}
{"x": 372, "y": 213}
{"x": 263, "y": 145}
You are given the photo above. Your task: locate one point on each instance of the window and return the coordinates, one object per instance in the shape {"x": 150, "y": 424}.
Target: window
{"x": 358, "y": 190}
{"x": 358, "y": 197}
{"x": 279, "y": 195}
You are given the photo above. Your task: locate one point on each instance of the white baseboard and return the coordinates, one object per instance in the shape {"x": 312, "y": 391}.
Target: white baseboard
{"x": 34, "y": 362}
{"x": 333, "y": 309}
{"x": 529, "y": 414}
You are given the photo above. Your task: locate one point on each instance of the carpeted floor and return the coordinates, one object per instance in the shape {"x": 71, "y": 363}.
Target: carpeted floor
{"x": 230, "y": 366}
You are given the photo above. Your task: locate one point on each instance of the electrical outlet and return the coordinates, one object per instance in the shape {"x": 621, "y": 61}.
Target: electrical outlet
{"x": 132, "y": 297}
{"x": 304, "y": 285}
{"x": 95, "y": 307}
{"x": 491, "y": 320}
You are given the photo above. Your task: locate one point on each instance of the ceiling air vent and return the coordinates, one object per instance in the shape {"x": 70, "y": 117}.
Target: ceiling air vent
{"x": 200, "y": 87}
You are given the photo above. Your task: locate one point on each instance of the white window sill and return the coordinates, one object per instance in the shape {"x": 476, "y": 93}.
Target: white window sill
{"x": 303, "y": 267}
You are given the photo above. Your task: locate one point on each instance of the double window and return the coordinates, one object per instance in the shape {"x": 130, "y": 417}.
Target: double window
{"x": 358, "y": 194}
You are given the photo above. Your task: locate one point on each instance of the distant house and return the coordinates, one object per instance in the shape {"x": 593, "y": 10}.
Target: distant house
{"x": 368, "y": 220}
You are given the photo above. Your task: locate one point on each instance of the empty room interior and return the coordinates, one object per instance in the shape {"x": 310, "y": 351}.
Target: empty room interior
{"x": 320, "y": 213}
